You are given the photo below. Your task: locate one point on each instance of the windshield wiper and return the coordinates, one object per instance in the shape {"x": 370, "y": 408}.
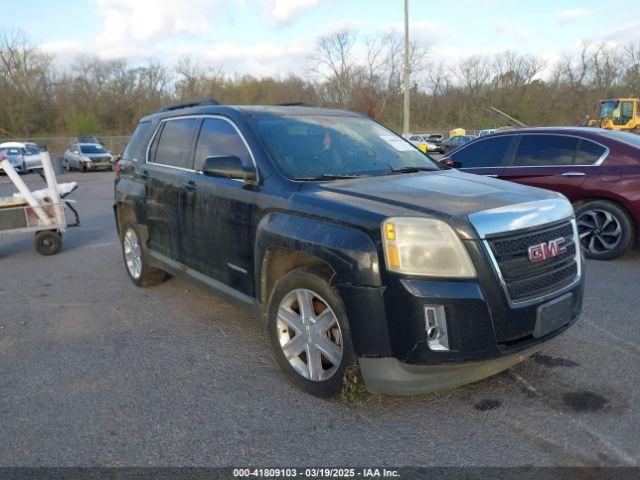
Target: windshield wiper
{"x": 330, "y": 176}
{"x": 412, "y": 169}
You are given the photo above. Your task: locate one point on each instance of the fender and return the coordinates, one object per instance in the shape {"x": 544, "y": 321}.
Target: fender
{"x": 132, "y": 193}
{"x": 350, "y": 252}
{"x": 353, "y": 256}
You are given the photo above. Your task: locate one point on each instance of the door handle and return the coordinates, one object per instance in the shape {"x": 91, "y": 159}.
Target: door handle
{"x": 573, "y": 174}
{"x": 190, "y": 185}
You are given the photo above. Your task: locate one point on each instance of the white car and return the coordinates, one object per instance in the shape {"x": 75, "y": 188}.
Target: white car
{"x": 423, "y": 143}
{"x": 23, "y": 156}
{"x": 87, "y": 156}
{"x": 486, "y": 131}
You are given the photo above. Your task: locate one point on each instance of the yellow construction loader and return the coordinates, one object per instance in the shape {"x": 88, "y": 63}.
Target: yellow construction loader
{"x": 619, "y": 114}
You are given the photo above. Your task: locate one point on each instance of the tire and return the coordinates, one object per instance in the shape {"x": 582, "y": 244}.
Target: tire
{"x": 136, "y": 260}
{"x": 83, "y": 167}
{"x": 330, "y": 346}
{"x": 65, "y": 165}
{"x": 48, "y": 242}
{"x": 606, "y": 230}
{"x": 23, "y": 168}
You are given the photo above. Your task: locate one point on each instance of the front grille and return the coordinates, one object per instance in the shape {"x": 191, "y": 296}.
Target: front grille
{"x": 525, "y": 280}
{"x": 100, "y": 159}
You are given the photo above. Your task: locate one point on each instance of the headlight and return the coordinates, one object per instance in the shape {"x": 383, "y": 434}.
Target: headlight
{"x": 85, "y": 159}
{"x": 426, "y": 247}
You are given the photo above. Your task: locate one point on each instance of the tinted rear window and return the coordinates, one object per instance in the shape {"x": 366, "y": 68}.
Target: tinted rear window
{"x": 546, "y": 150}
{"x": 174, "y": 145}
{"x": 137, "y": 143}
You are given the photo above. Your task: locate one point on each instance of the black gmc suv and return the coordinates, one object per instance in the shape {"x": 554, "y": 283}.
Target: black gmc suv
{"x": 348, "y": 244}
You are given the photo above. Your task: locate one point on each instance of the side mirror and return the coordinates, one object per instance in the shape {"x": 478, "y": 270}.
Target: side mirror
{"x": 449, "y": 162}
{"x": 228, "y": 166}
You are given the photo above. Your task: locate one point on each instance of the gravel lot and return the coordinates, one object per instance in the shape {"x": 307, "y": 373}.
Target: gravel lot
{"x": 98, "y": 372}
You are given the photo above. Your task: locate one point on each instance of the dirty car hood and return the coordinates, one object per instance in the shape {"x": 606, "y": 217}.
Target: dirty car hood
{"x": 448, "y": 194}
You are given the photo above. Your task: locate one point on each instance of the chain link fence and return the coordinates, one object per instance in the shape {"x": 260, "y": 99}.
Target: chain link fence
{"x": 56, "y": 146}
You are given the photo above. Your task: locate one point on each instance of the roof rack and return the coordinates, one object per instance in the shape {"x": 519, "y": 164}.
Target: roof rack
{"x": 293, "y": 104}
{"x": 193, "y": 103}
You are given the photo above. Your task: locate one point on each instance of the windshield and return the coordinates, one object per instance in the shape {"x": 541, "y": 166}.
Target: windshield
{"x": 10, "y": 151}
{"x": 92, "y": 149}
{"x": 313, "y": 146}
{"x": 608, "y": 109}
{"x": 29, "y": 150}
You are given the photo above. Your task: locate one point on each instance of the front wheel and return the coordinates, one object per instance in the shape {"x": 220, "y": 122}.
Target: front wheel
{"x": 604, "y": 228}
{"x": 136, "y": 259}
{"x": 309, "y": 331}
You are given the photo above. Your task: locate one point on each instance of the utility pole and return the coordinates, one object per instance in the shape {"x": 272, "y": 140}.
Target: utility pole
{"x": 405, "y": 123}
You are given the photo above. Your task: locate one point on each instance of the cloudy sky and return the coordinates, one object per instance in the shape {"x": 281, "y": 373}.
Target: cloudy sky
{"x": 275, "y": 37}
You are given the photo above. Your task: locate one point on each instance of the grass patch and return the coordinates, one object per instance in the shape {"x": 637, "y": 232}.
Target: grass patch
{"x": 353, "y": 390}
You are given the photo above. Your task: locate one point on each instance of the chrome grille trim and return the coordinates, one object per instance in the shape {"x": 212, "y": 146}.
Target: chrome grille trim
{"x": 521, "y": 216}
{"x": 528, "y": 217}
{"x": 523, "y": 303}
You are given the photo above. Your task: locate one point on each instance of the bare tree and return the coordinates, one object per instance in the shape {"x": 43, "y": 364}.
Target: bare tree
{"x": 24, "y": 84}
{"x": 335, "y": 65}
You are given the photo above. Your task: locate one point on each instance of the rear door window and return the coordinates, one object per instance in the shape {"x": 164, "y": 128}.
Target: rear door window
{"x": 174, "y": 145}
{"x": 589, "y": 153}
{"x": 219, "y": 138}
{"x": 546, "y": 150}
{"x": 485, "y": 153}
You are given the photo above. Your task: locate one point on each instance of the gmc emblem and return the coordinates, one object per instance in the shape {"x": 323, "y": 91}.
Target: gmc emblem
{"x": 546, "y": 250}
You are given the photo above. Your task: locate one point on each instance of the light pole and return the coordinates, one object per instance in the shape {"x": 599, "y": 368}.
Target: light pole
{"x": 405, "y": 123}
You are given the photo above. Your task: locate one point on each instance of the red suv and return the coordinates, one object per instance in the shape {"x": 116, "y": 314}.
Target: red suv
{"x": 598, "y": 170}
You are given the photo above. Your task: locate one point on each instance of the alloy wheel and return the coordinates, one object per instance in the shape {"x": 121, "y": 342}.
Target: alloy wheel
{"x": 309, "y": 335}
{"x": 599, "y": 231}
{"x": 132, "y": 253}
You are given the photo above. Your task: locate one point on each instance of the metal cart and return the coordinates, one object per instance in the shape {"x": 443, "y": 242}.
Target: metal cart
{"x": 43, "y": 214}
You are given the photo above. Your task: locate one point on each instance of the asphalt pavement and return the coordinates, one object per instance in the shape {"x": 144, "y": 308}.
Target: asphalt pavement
{"x": 94, "y": 371}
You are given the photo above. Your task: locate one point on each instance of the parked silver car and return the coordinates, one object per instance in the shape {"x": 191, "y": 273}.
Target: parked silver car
{"x": 87, "y": 156}
{"x": 24, "y": 157}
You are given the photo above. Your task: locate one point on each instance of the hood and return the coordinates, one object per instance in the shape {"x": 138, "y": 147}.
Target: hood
{"x": 447, "y": 194}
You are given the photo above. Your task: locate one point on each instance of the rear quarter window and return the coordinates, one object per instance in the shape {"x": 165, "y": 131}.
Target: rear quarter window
{"x": 138, "y": 142}
{"x": 588, "y": 153}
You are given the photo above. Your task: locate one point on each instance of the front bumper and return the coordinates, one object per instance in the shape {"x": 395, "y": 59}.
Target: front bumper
{"x": 389, "y": 376}
{"x": 473, "y": 311}
{"x": 486, "y": 334}
{"x": 98, "y": 165}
